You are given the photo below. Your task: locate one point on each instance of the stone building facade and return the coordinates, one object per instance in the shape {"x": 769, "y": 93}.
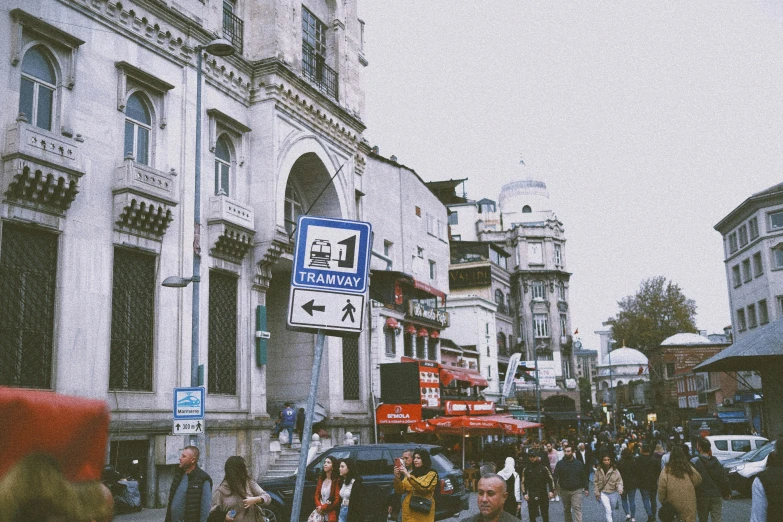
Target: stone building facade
{"x": 97, "y": 209}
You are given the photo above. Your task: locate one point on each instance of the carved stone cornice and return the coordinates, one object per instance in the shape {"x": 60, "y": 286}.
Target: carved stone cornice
{"x": 144, "y": 199}
{"x": 267, "y": 256}
{"x": 230, "y": 228}
{"x": 41, "y": 170}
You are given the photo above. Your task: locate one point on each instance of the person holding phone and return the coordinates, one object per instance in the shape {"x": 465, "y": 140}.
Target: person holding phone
{"x": 238, "y": 493}
{"x": 327, "y": 491}
{"x": 400, "y": 463}
{"x": 420, "y": 482}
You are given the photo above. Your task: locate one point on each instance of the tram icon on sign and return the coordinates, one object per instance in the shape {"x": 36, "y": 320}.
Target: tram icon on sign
{"x": 189, "y": 401}
{"x": 321, "y": 253}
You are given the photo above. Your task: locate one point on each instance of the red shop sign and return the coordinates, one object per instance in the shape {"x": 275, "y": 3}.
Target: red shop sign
{"x": 469, "y": 407}
{"x": 398, "y": 413}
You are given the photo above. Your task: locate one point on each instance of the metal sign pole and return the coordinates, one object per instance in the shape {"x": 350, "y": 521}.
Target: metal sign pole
{"x": 308, "y": 427}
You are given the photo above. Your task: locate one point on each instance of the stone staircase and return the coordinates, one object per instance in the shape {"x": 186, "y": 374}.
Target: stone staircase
{"x": 287, "y": 461}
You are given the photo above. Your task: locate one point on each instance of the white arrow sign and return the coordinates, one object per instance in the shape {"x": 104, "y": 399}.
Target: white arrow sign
{"x": 327, "y": 310}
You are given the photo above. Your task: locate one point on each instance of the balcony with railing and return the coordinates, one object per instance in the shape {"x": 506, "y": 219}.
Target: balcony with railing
{"x": 317, "y": 72}
{"x": 233, "y": 29}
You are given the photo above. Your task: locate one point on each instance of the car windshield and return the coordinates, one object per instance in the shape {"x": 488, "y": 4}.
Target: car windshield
{"x": 761, "y": 453}
{"x": 440, "y": 463}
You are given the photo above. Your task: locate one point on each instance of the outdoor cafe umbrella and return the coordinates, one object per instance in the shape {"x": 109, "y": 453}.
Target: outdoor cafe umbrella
{"x": 465, "y": 425}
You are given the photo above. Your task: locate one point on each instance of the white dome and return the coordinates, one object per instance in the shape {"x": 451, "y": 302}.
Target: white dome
{"x": 686, "y": 339}
{"x": 517, "y": 195}
{"x": 626, "y": 356}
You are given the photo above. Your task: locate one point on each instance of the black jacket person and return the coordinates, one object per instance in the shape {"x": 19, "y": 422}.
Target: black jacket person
{"x": 190, "y": 497}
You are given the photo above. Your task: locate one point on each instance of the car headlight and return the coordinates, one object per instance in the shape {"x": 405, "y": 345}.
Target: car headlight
{"x": 738, "y": 467}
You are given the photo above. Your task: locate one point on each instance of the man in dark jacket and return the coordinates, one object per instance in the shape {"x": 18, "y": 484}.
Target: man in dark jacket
{"x": 537, "y": 486}
{"x": 574, "y": 482}
{"x": 190, "y": 496}
{"x": 768, "y": 489}
{"x": 714, "y": 485}
{"x": 647, "y": 470}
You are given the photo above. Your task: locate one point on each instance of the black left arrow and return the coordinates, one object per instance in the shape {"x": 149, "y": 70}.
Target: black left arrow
{"x": 310, "y": 306}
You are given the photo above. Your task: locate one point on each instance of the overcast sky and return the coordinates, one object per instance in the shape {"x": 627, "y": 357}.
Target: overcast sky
{"x": 648, "y": 121}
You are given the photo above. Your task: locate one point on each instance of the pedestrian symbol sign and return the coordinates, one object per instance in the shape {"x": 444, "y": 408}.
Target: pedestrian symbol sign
{"x": 331, "y": 254}
{"x": 188, "y": 403}
{"x": 330, "y": 310}
{"x": 188, "y": 427}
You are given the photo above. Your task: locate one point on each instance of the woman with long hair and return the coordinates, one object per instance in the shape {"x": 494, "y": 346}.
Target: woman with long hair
{"x": 238, "y": 493}
{"x": 627, "y": 469}
{"x": 327, "y": 491}
{"x": 419, "y": 482}
{"x": 607, "y": 484}
{"x": 351, "y": 493}
{"x": 677, "y": 485}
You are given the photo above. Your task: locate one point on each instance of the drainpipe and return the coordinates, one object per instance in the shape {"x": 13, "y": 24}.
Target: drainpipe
{"x": 382, "y": 257}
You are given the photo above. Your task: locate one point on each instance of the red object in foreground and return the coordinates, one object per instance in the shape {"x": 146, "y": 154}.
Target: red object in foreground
{"x": 73, "y": 430}
{"x": 485, "y": 424}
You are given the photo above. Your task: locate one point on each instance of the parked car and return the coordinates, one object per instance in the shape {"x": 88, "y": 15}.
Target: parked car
{"x": 744, "y": 469}
{"x": 725, "y": 447}
{"x": 375, "y": 464}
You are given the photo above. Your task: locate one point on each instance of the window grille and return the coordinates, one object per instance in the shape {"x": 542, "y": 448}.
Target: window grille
{"x": 314, "y": 66}
{"x": 132, "y": 321}
{"x": 28, "y": 271}
{"x": 222, "y": 357}
{"x": 351, "y": 369}
{"x": 233, "y": 27}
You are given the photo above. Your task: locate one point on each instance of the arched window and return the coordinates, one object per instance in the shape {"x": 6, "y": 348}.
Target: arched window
{"x": 222, "y": 166}
{"x": 502, "y": 343}
{"x": 36, "y": 94}
{"x": 293, "y": 207}
{"x": 138, "y": 126}
{"x": 561, "y": 292}
{"x": 526, "y": 209}
{"x": 499, "y": 296}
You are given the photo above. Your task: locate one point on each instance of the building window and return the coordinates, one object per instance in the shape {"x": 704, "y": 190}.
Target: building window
{"x": 743, "y": 235}
{"x": 432, "y": 349}
{"x": 408, "y": 345}
{"x": 421, "y": 347}
{"x": 563, "y": 324}
{"x": 541, "y": 325}
{"x": 222, "y": 355}
{"x": 453, "y": 218}
{"x": 538, "y": 290}
{"x": 526, "y": 209}
{"x": 351, "y": 387}
{"x": 758, "y": 269}
{"x": 733, "y": 242}
{"x": 502, "y": 349}
{"x": 776, "y": 220}
{"x": 753, "y": 227}
{"x": 419, "y": 252}
{"x": 741, "y": 324}
{"x": 433, "y": 270}
{"x": 132, "y": 321}
{"x": 566, "y": 365}
{"x": 558, "y": 255}
{"x": 752, "y": 323}
{"x": 314, "y": 65}
{"x": 138, "y": 126}
{"x": 735, "y": 276}
{"x": 431, "y": 224}
{"x": 417, "y": 210}
{"x": 456, "y": 237}
{"x": 561, "y": 291}
{"x": 293, "y": 207}
{"x": 390, "y": 335}
{"x": 746, "y": 274}
{"x": 36, "y": 94}
{"x": 777, "y": 257}
{"x": 387, "y": 248}
{"x": 670, "y": 369}
{"x": 763, "y": 312}
{"x": 222, "y": 167}
{"x": 233, "y": 26}
{"x": 28, "y": 277}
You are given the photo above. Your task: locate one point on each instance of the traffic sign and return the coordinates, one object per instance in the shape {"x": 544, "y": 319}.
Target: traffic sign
{"x": 331, "y": 254}
{"x": 327, "y": 310}
{"x": 188, "y": 403}
{"x": 188, "y": 427}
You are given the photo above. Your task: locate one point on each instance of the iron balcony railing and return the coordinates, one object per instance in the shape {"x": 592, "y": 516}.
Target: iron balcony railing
{"x": 317, "y": 72}
{"x": 233, "y": 29}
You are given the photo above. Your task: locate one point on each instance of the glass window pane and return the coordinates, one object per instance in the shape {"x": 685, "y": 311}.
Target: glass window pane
{"x": 224, "y": 171}
{"x": 137, "y": 110}
{"x": 44, "y": 119}
{"x": 37, "y": 65}
{"x": 26, "y": 99}
{"x": 143, "y": 146}
{"x": 217, "y": 177}
{"x": 222, "y": 150}
{"x": 130, "y": 129}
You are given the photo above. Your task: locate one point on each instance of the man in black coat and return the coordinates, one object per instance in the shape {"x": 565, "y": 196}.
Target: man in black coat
{"x": 647, "y": 470}
{"x": 585, "y": 455}
{"x": 538, "y": 486}
{"x": 714, "y": 485}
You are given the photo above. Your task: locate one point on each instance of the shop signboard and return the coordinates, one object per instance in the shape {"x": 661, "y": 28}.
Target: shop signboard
{"x": 469, "y": 407}
{"x": 470, "y": 277}
{"x": 429, "y": 383}
{"x": 547, "y": 374}
{"x": 435, "y": 316}
{"x": 398, "y": 413}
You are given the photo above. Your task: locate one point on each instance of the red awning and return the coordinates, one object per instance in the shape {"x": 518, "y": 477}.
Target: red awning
{"x": 466, "y": 376}
{"x": 474, "y": 425}
{"x": 428, "y": 288}
{"x": 392, "y": 323}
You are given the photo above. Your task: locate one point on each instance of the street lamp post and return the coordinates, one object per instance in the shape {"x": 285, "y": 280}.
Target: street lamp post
{"x": 217, "y": 47}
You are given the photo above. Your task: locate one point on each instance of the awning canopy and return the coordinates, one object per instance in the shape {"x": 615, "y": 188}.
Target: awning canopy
{"x": 732, "y": 417}
{"x": 448, "y": 375}
{"x": 751, "y": 353}
{"x": 562, "y": 416}
{"x": 473, "y": 425}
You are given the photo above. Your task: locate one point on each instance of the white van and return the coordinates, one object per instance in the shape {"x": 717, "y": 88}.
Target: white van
{"x": 726, "y": 447}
